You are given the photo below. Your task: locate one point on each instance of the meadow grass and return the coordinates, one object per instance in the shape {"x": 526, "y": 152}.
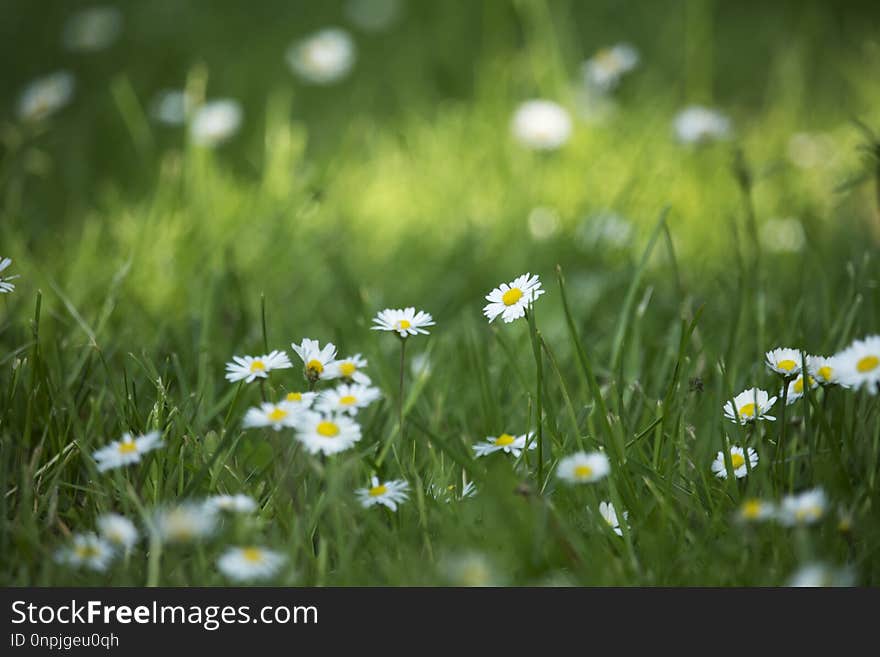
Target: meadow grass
{"x": 147, "y": 262}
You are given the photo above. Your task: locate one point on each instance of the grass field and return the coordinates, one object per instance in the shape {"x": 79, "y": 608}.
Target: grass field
{"x": 146, "y": 260}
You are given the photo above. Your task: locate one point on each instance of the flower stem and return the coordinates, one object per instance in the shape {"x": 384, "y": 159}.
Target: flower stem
{"x": 780, "y": 442}
{"x": 400, "y": 395}
{"x": 539, "y": 375}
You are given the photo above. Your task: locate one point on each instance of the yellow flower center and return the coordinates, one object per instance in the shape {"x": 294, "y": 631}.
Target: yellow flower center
{"x": 504, "y": 440}
{"x": 867, "y": 364}
{"x": 583, "y": 471}
{"x": 86, "y": 551}
{"x": 737, "y": 460}
{"x": 747, "y": 410}
{"x": 808, "y": 513}
{"x": 376, "y": 491}
{"x": 316, "y": 366}
{"x": 752, "y": 509}
{"x": 825, "y": 372}
{"x": 294, "y": 396}
{"x": 403, "y": 324}
{"x": 788, "y": 365}
{"x": 606, "y": 58}
{"x": 127, "y": 447}
{"x": 277, "y": 414}
{"x": 252, "y": 554}
{"x": 348, "y": 400}
{"x": 510, "y": 297}
{"x": 799, "y": 384}
{"x": 347, "y": 369}
{"x": 258, "y": 366}
{"x": 327, "y": 429}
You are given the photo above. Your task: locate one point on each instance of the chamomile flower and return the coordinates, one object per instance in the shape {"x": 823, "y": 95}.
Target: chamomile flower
{"x": 45, "y": 96}
{"x": 755, "y": 510}
{"x": 244, "y": 564}
{"x": 278, "y": 416}
{"x": 404, "y": 321}
{"x": 825, "y": 370}
{"x": 697, "y": 124}
{"x": 215, "y": 122}
{"x": 185, "y": 523}
{"x": 785, "y": 361}
{"x": 609, "y": 515}
{"x": 92, "y": 29}
{"x": 821, "y": 575}
{"x": 796, "y": 388}
{"x": 119, "y": 530}
{"x": 387, "y": 493}
{"x": 349, "y": 369}
{"x": 583, "y": 468}
{"x": 505, "y": 443}
{"x": 316, "y": 360}
{"x": 804, "y": 508}
{"x": 737, "y": 460}
{"x": 126, "y": 451}
{"x": 238, "y": 503}
{"x": 327, "y": 434}
{"x": 324, "y": 57}
{"x": 250, "y": 368}
{"x": 512, "y": 300}
{"x": 541, "y": 125}
{"x": 750, "y": 405}
{"x": 88, "y": 551}
{"x": 300, "y": 400}
{"x": 860, "y": 364}
{"x": 5, "y": 286}
{"x": 347, "y": 398}
{"x": 604, "y": 70}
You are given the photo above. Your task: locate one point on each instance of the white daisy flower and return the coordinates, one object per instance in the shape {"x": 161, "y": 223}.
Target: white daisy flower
{"x": 609, "y": 515}
{"x": 87, "y": 550}
{"x": 406, "y": 321}
{"x": 324, "y": 57}
{"x": 249, "y": 368}
{"x": 238, "y": 503}
{"x": 796, "y": 389}
{"x": 737, "y": 460}
{"x": 184, "y": 523}
{"x": 860, "y": 364}
{"x": 373, "y": 15}
{"x": 349, "y": 369}
{"x": 300, "y": 400}
{"x": 126, "y": 451}
{"x": 824, "y": 369}
{"x": 327, "y": 434}
{"x": 92, "y": 29}
{"x": 804, "y": 508}
{"x": 5, "y": 286}
{"x": 752, "y": 404}
{"x": 755, "y": 510}
{"x": 244, "y": 564}
{"x": 449, "y": 494}
{"x": 315, "y": 359}
{"x": 821, "y": 575}
{"x": 583, "y": 468}
{"x": 215, "y": 122}
{"x": 505, "y": 443}
{"x": 604, "y": 70}
{"x": 45, "y": 96}
{"x": 512, "y": 300}
{"x": 347, "y": 398}
{"x": 387, "y": 493}
{"x": 172, "y": 107}
{"x": 541, "y": 125}
{"x": 278, "y": 416}
{"x": 697, "y": 124}
{"x": 119, "y": 530}
{"x": 785, "y": 361}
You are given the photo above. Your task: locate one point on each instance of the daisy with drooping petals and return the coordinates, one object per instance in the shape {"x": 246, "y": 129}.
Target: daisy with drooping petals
{"x": 749, "y": 405}
{"x": 215, "y": 122}
{"x": 404, "y": 321}
{"x": 785, "y": 361}
{"x": 316, "y": 360}
{"x": 604, "y": 70}
{"x": 505, "y": 443}
{"x": 244, "y": 564}
{"x": 804, "y": 508}
{"x": 541, "y": 125}
{"x": 126, "y": 451}
{"x": 349, "y": 369}
{"x": 119, "y": 530}
{"x": 697, "y": 125}
{"x": 755, "y": 510}
{"x": 238, "y": 503}
{"x": 796, "y": 388}
{"x": 387, "y": 493}
{"x": 737, "y": 460}
{"x": 5, "y": 286}
{"x": 249, "y": 368}
{"x": 322, "y": 58}
{"x": 825, "y": 370}
{"x": 327, "y": 434}
{"x": 347, "y": 398}
{"x": 609, "y": 515}
{"x": 184, "y": 523}
{"x": 583, "y": 468}
{"x": 87, "y": 550}
{"x": 278, "y": 416}
{"x": 860, "y": 364}
{"x": 45, "y": 96}
{"x": 512, "y": 300}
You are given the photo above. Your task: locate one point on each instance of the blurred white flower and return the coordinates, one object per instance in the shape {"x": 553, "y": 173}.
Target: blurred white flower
{"x": 238, "y": 503}
{"x": 215, "y": 122}
{"x": 609, "y": 515}
{"x": 172, "y": 107}
{"x": 583, "y": 468}
{"x": 697, "y": 124}
{"x": 804, "y": 508}
{"x": 859, "y": 364}
{"x": 327, "y": 434}
{"x": 825, "y": 369}
{"x": 755, "y": 510}
{"x": 126, "y": 451}
{"x": 278, "y": 416}
{"x": 324, "y": 57}
{"x": 186, "y": 522}
{"x": 119, "y": 530}
{"x": 783, "y": 235}
{"x": 347, "y": 398}
{"x": 506, "y": 443}
{"x": 821, "y": 575}
{"x": 469, "y": 569}
{"x": 349, "y": 369}
{"x": 604, "y": 70}
{"x": 796, "y": 388}
{"x": 373, "y": 15}
{"x": 420, "y": 364}
{"x": 541, "y": 125}
{"x": 808, "y": 151}
{"x": 92, "y": 29}
{"x": 45, "y": 96}
{"x": 244, "y": 564}
{"x": 543, "y": 223}
{"x": 88, "y": 550}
